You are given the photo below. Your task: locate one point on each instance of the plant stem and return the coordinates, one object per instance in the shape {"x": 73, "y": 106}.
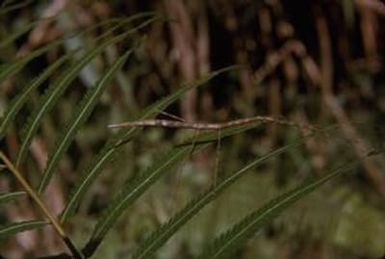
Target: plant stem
{"x": 35, "y": 197}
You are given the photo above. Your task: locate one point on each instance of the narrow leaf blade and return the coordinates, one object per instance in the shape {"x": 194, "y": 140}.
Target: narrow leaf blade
{"x": 82, "y": 113}
{"x": 226, "y": 244}
{"x": 164, "y": 232}
{"x": 55, "y": 91}
{"x": 14, "y": 228}
{"x": 9, "y": 69}
{"x": 10, "y": 196}
{"x": 10, "y": 38}
{"x": 8, "y": 8}
{"x": 135, "y": 188}
{"x": 19, "y": 100}
{"x": 130, "y": 192}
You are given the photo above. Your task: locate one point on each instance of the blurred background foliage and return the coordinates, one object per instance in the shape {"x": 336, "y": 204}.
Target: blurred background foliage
{"x": 318, "y": 62}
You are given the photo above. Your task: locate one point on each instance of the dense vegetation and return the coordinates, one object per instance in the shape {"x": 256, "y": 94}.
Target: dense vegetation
{"x": 70, "y": 187}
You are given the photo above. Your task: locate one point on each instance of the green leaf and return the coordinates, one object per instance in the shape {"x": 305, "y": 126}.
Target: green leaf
{"x": 228, "y": 243}
{"x": 83, "y": 111}
{"x": 10, "y": 196}
{"x": 113, "y": 145}
{"x": 19, "y": 100}
{"x": 164, "y": 232}
{"x": 17, "y": 227}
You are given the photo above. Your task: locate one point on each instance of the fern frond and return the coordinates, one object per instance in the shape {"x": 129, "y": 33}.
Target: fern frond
{"x": 125, "y": 135}
{"x": 11, "y": 68}
{"x": 4, "y": 9}
{"x": 17, "y": 227}
{"x": 56, "y": 90}
{"x": 19, "y": 100}
{"x": 114, "y": 23}
{"x": 10, "y": 196}
{"x": 120, "y": 21}
{"x": 83, "y": 111}
{"x": 164, "y": 232}
{"x": 10, "y": 38}
{"x": 113, "y": 145}
{"x": 228, "y": 243}
{"x": 135, "y": 188}
{"x": 130, "y": 192}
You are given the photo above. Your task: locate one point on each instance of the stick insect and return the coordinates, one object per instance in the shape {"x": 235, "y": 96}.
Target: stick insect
{"x": 199, "y": 126}
{"x": 207, "y": 126}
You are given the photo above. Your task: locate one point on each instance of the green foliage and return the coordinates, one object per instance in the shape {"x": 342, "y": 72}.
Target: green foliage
{"x": 81, "y": 114}
{"x": 54, "y": 92}
{"x": 122, "y": 32}
{"x": 130, "y": 192}
{"x": 17, "y": 227}
{"x": 163, "y": 233}
{"x": 114, "y": 144}
{"x": 19, "y": 100}
{"x": 137, "y": 186}
{"x": 7, "y": 7}
{"x": 228, "y": 243}
{"x": 13, "y": 36}
{"x": 11, "y": 68}
{"x": 10, "y": 196}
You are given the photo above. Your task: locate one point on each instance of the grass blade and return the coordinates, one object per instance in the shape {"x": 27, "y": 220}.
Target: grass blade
{"x": 226, "y": 244}
{"x": 82, "y": 113}
{"x": 112, "y": 146}
{"x": 10, "y": 196}
{"x": 19, "y": 100}
{"x": 17, "y": 227}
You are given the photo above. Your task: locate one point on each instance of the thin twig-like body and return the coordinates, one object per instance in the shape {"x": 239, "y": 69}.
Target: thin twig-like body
{"x": 204, "y": 125}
